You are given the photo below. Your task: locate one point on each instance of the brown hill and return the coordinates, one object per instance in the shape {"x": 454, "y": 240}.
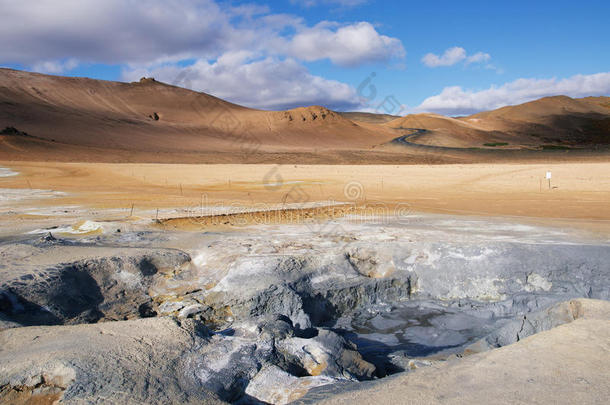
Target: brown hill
{"x": 444, "y": 131}
{"x": 559, "y": 121}
{"x": 370, "y": 118}
{"x": 77, "y": 119}
{"x": 149, "y": 117}
{"x": 603, "y": 101}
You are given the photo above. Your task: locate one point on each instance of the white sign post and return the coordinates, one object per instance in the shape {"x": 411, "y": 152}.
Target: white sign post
{"x": 548, "y": 177}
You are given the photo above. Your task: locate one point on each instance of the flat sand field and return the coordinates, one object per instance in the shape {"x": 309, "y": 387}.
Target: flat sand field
{"x": 576, "y": 192}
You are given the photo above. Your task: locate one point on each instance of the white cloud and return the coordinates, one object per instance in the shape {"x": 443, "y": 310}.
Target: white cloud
{"x": 449, "y": 58}
{"x": 151, "y": 31}
{"x": 458, "y": 101}
{"x": 268, "y": 83}
{"x": 231, "y": 45}
{"x": 478, "y": 57}
{"x": 341, "y": 3}
{"x": 110, "y": 31}
{"x": 55, "y": 67}
{"x": 453, "y": 56}
{"x": 346, "y": 45}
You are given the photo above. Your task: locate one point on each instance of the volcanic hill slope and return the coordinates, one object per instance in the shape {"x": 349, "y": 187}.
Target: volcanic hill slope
{"x": 57, "y": 118}
{"x": 558, "y": 121}
{"x": 147, "y": 118}
{"x": 371, "y": 118}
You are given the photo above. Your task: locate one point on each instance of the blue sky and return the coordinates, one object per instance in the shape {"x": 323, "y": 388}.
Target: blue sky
{"x": 447, "y": 57}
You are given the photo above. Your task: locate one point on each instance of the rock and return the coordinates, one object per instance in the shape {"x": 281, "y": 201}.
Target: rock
{"x": 535, "y": 282}
{"x": 49, "y": 238}
{"x": 275, "y": 386}
{"x": 403, "y": 362}
{"x": 280, "y": 328}
{"x": 326, "y": 354}
{"x": 535, "y": 322}
{"x": 277, "y": 300}
{"x": 111, "y": 287}
{"x": 190, "y": 310}
{"x": 119, "y": 362}
{"x": 371, "y": 263}
{"x": 169, "y": 307}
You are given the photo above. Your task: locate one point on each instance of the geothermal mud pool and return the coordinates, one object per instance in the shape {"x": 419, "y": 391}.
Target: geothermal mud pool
{"x": 131, "y": 312}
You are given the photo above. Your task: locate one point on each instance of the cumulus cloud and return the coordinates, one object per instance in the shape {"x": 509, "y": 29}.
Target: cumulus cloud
{"x": 449, "y": 58}
{"x": 268, "y": 83}
{"x": 453, "y": 56}
{"x": 231, "y": 44}
{"x": 150, "y": 31}
{"x": 55, "y": 67}
{"x": 346, "y": 45}
{"x": 478, "y": 57}
{"x": 110, "y": 31}
{"x": 458, "y": 101}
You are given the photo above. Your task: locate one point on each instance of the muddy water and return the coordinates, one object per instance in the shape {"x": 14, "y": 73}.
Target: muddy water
{"x": 387, "y": 335}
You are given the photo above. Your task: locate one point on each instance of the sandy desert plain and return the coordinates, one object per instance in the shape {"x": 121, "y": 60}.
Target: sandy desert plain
{"x": 149, "y": 254}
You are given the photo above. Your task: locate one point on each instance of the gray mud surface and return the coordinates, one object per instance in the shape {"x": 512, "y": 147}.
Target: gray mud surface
{"x": 268, "y": 313}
